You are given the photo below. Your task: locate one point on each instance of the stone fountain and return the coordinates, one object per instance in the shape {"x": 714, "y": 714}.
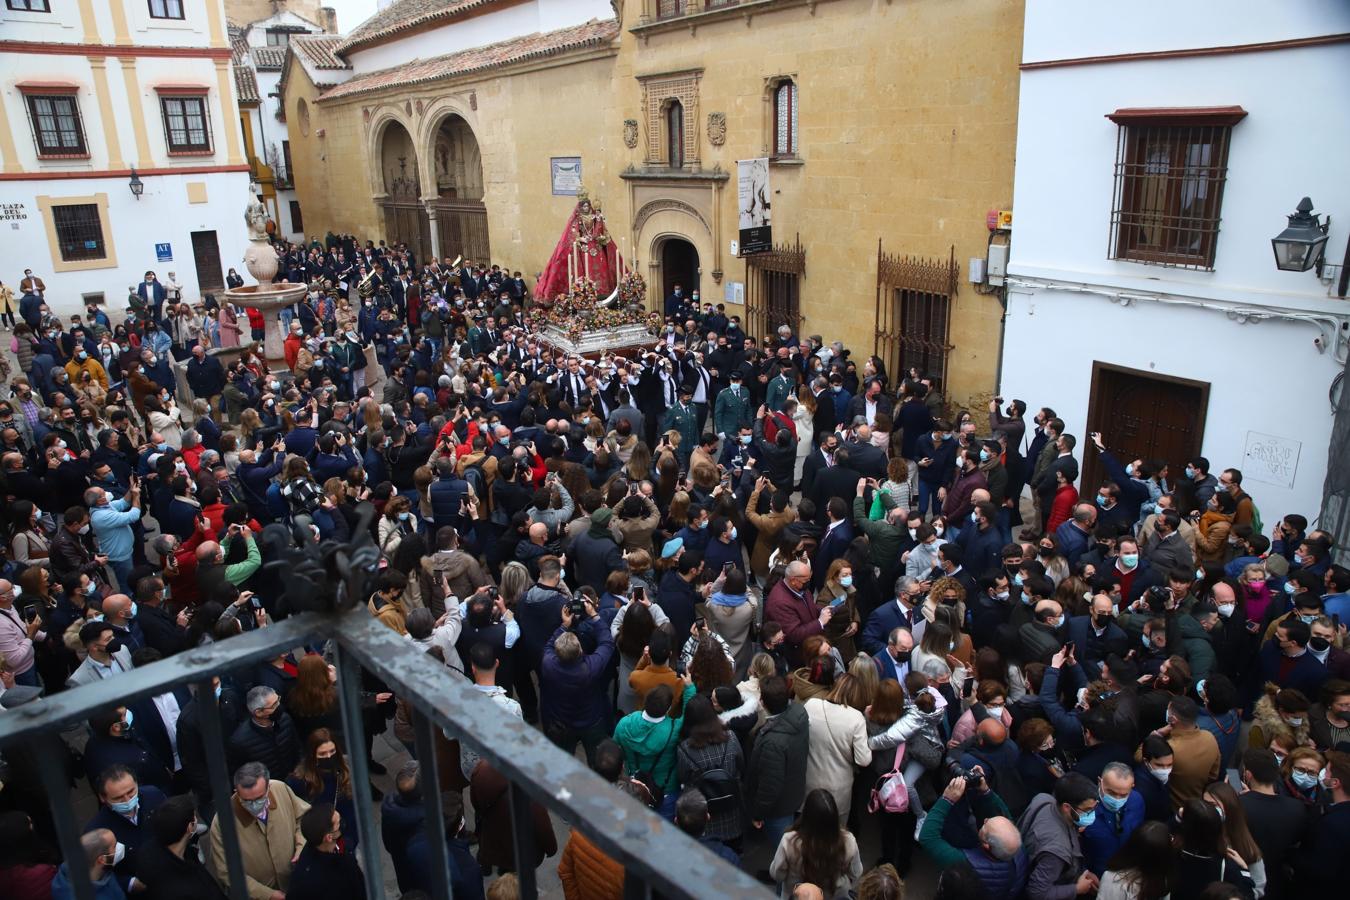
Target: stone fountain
{"x": 262, "y": 263}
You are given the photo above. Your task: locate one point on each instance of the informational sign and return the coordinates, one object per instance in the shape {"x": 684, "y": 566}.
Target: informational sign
{"x": 1271, "y": 459}
{"x": 164, "y": 252}
{"x": 735, "y": 293}
{"x": 15, "y": 211}
{"x": 753, "y": 200}
{"x": 566, "y": 175}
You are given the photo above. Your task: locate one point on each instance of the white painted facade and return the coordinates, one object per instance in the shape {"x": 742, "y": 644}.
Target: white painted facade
{"x": 490, "y": 27}
{"x": 1244, "y": 328}
{"x": 119, "y": 92}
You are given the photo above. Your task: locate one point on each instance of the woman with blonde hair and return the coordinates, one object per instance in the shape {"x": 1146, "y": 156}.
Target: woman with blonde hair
{"x": 677, "y": 514}
{"x": 639, "y": 466}
{"x": 945, "y": 590}
{"x": 837, "y": 593}
{"x": 249, "y": 422}
{"x": 837, "y": 744}
{"x": 863, "y": 682}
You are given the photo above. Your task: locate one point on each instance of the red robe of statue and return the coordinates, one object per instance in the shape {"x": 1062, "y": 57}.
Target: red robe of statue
{"x": 586, "y": 229}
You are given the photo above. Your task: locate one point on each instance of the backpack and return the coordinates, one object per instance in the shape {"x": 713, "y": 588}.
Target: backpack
{"x": 719, "y": 788}
{"x": 891, "y": 794}
{"x": 1257, "y": 527}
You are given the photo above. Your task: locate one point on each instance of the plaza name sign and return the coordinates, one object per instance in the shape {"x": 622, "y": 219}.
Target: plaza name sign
{"x": 14, "y": 212}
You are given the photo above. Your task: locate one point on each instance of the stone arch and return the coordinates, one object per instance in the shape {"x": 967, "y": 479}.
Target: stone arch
{"x": 380, "y": 123}
{"x": 453, "y": 184}
{"x": 657, "y": 222}
{"x": 429, "y": 126}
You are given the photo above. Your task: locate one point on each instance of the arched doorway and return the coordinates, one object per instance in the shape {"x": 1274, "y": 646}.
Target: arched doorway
{"x": 405, "y": 219}
{"x": 679, "y": 265}
{"x": 461, "y": 216}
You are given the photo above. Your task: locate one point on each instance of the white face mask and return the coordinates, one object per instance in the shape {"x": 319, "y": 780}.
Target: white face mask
{"x": 1162, "y": 774}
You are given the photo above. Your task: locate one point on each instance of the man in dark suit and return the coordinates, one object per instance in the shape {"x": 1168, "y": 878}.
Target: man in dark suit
{"x": 819, "y": 461}
{"x": 1045, "y": 484}
{"x": 1096, "y": 636}
{"x": 572, "y": 383}
{"x": 893, "y": 659}
{"x": 125, "y": 808}
{"x": 839, "y": 481}
{"x": 870, "y": 402}
{"x": 675, "y": 304}
{"x": 904, "y": 611}
{"x": 822, "y": 421}
{"x": 867, "y": 457}
{"x": 834, "y": 543}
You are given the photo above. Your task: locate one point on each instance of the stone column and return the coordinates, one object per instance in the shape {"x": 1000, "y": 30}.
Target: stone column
{"x": 435, "y": 226}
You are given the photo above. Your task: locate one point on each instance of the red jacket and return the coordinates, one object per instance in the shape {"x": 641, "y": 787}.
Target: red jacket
{"x": 799, "y": 616}
{"x": 1066, "y": 498}
{"x": 182, "y": 580}
{"x": 291, "y": 349}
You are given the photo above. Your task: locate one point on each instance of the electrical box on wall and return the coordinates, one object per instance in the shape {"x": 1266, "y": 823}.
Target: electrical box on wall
{"x": 977, "y": 270}
{"x": 998, "y": 264}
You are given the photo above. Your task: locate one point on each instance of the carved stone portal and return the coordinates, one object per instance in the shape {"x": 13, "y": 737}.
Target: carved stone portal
{"x": 717, "y": 128}
{"x": 630, "y": 133}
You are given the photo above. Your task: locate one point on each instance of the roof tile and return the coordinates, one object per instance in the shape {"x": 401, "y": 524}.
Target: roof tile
{"x": 245, "y": 84}
{"x": 268, "y": 58}
{"x": 319, "y": 50}
{"x": 404, "y": 14}
{"x": 531, "y": 46}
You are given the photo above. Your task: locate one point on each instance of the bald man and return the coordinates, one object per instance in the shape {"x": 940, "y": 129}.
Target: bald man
{"x": 998, "y": 859}
{"x": 1119, "y": 813}
{"x": 807, "y": 891}
{"x": 792, "y": 605}
{"x": 119, "y": 611}
{"x": 100, "y": 848}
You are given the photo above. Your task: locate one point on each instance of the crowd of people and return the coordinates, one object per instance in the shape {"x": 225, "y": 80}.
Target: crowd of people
{"x": 778, "y": 594}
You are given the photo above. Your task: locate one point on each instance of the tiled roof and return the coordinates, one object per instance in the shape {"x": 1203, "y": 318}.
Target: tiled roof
{"x": 318, "y": 50}
{"x": 268, "y": 58}
{"x": 530, "y": 46}
{"x": 405, "y": 14}
{"x": 245, "y": 84}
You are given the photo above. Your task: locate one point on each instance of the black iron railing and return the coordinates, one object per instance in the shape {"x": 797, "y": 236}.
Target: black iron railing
{"x": 654, "y": 853}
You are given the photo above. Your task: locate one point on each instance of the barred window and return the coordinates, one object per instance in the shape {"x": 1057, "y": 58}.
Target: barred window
{"x": 79, "y": 232}
{"x": 57, "y": 129}
{"x": 666, "y": 9}
{"x": 29, "y": 5}
{"x": 186, "y": 124}
{"x": 785, "y": 119}
{"x": 166, "y": 9}
{"x": 675, "y": 134}
{"x": 1169, "y": 178}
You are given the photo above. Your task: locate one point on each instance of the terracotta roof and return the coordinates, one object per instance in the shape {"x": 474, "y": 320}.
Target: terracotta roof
{"x": 403, "y": 15}
{"x": 245, "y": 84}
{"x": 319, "y": 50}
{"x": 530, "y": 46}
{"x": 268, "y": 58}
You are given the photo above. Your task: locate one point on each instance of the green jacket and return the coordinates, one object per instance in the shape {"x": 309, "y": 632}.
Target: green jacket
{"x": 732, "y": 411}
{"x": 884, "y": 538}
{"x": 985, "y": 806}
{"x": 685, "y": 421}
{"x": 237, "y": 573}
{"x": 650, "y": 746}
{"x": 1198, "y": 645}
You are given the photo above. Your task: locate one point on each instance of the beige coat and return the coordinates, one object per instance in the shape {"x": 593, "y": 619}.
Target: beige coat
{"x": 267, "y": 850}
{"x": 838, "y": 747}
{"x": 768, "y": 527}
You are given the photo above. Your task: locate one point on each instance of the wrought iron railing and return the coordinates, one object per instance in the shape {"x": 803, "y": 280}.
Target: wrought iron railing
{"x": 654, "y": 853}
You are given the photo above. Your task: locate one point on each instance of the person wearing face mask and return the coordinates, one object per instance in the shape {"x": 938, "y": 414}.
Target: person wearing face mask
{"x": 166, "y": 859}
{"x": 1280, "y": 714}
{"x": 1322, "y": 866}
{"x": 1286, "y": 660}
{"x": 115, "y": 742}
{"x": 1303, "y": 592}
{"x": 935, "y": 455}
{"x": 732, "y": 410}
{"x": 1041, "y": 637}
{"x": 267, "y": 817}
{"x": 102, "y": 852}
{"x": 1151, "y": 774}
{"x": 126, "y": 808}
{"x": 1276, "y": 821}
{"x": 1119, "y": 813}
{"x": 268, "y": 734}
{"x": 1051, "y": 831}
{"x": 1096, "y": 636}
{"x": 1195, "y": 753}
{"x": 1217, "y": 696}
{"x": 83, "y": 361}
{"x": 323, "y": 776}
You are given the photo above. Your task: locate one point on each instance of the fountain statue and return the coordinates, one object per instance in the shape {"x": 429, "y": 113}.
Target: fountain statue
{"x": 265, "y": 296}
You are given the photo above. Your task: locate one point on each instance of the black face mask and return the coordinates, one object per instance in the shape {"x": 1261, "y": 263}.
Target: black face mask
{"x": 902, "y": 657}
{"x": 1319, "y": 644}
{"x": 114, "y": 645}
{"x": 326, "y": 765}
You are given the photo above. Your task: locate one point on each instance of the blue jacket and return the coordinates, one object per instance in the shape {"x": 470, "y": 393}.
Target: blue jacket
{"x": 677, "y": 598}
{"x": 180, "y": 519}
{"x": 106, "y": 888}
{"x": 1306, "y": 675}
{"x": 1133, "y": 492}
{"x": 112, "y": 524}
{"x": 447, "y": 496}
{"x": 982, "y": 550}
{"x": 569, "y": 694}
{"x": 1073, "y": 541}
{"x": 1093, "y": 650}
{"x": 1109, "y": 831}
{"x": 333, "y": 465}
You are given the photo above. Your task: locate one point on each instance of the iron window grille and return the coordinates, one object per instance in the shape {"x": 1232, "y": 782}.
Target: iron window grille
{"x": 58, "y": 130}
{"x": 669, "y": 9}
{"x": 914, "y": 312}
{"x": 1170, "y": 171}
{"x": 79, "y": 231}
{"x": 675, "y": 134}
{"x": 187, "y": 125}
{"x": 166, "y": 9}
{"x": 44, "y": 6}
{"x": 785, "y": 119}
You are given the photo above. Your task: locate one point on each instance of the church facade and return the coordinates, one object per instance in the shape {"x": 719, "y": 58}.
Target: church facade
{"x": 465, "y": 126}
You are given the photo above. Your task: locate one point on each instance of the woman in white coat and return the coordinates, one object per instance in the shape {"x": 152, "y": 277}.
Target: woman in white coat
{"x": 802, "y": 418}
{"x": 838, "y": 742}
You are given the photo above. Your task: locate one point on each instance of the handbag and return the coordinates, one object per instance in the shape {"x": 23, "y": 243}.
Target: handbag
{"x": 926, "y": 752}
{"x": 891, "y": 794}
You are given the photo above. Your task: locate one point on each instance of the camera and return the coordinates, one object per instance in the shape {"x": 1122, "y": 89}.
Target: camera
{"x": 956, "y": 770}
{"x": 576, "y": 608}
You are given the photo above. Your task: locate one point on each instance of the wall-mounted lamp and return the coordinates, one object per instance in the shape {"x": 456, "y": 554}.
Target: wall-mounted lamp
{"x": 137, "y": 186}
{"x": 1300, "y": 246}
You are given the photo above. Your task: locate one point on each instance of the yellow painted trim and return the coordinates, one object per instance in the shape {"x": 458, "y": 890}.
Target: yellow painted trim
{"x": 246, "y": 125}
{"x": 136, "y": 102}
{"x": 89, "y": 21}
{"x": 196, "y": 192}
{"x": 99, "y": 68}
{"x": 121, "y": 34}
{"x": 45, "y": 205}
{"x": 7, "y": 146}
{"x": 225, "y": 86}
{"x": 215, "y": 19}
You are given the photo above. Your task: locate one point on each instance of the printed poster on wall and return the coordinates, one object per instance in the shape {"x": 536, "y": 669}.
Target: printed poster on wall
{"x": 753, "y": 201}
{"x": 566, "y": 174}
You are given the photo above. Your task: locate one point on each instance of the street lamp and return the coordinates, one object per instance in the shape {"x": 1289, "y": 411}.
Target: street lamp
{"x": 138, "y": 187}
{"x": 1300, "y": 246}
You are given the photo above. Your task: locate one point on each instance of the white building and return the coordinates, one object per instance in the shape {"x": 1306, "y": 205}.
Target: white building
{"x": 90, "y": 92}
{"x": 259, "y": 48}
{"x": 1158, "y": 153}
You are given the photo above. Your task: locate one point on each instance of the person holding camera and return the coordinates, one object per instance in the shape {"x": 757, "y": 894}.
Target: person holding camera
{"x": 998, "y": 859}
{"x": 572, "y": 708}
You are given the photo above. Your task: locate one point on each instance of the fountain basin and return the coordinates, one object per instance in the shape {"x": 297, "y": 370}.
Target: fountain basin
{"x": 269, "y": 299}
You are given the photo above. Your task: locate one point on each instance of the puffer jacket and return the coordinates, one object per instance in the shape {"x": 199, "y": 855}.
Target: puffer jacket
{"x": 914, "y": 722}
{"x": 1198, "y": 645}
{"x": 775, "y": 775}
{"x": 277, "y": 747}
{"x": 1267, "y": 725}
{"x": 539, "y": 613}
{"x": 448, "y": 506}
{"x": 587, "y": 873}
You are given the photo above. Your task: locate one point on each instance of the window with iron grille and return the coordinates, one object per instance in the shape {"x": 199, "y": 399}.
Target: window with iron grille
{"x": 785, "y": 119}
{"x": 29, "y": 5}
{"x": 1169, "y": 179}
{"x": 297, "y": 223}
{"x": 675, "y": 134}
{"x": 57, "y": 129}
{"x": 924, "y": 319}
{"x": 666, "y": 9}
{"x": 186, "y": 126}
{"x": 166, "y": 9}
{"x": 79, "y": 232}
